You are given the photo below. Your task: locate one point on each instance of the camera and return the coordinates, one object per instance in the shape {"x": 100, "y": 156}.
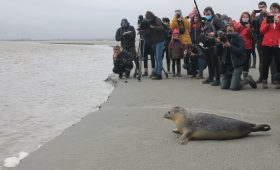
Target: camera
{"x": 143, "y": 24}
{"x": 270, "y": 19}
{"x": 222, "y": 36}
{"x": 257, "y": 10}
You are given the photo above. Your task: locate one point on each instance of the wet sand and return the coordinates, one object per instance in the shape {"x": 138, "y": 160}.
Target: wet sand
{"x": 129, "y": 131}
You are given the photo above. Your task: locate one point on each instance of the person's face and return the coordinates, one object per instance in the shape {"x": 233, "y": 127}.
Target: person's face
{"x": 117, "y": 51}
{"x": 245, "y": 16}
{"x": 208, "y": 13}
{"x": 230, "y": 29}
{"x": 274, "y": 10}
{"x": 262, "y": 8}
{"x": 176, "y": 36}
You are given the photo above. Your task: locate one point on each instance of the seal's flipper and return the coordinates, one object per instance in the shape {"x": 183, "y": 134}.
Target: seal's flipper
{"x": 257, "y": 128}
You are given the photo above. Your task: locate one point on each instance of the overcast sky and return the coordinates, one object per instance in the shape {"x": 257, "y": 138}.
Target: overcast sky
{"x": 95, "y": 19}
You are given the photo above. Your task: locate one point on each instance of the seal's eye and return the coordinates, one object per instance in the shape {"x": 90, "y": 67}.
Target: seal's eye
{"x": 168, "y": 112}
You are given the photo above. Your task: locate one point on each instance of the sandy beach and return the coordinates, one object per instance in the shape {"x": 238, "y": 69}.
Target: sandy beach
{"x": 129, "y": 131}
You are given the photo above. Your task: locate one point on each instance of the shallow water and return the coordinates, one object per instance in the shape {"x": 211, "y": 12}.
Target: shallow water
{"x": 46, "y": 88}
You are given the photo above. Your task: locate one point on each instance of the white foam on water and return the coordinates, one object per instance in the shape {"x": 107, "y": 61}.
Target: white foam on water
{"x": 46, "y": 88}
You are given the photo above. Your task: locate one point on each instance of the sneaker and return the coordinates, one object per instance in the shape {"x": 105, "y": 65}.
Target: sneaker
{"x": 277, "y": 86}
{"x": 207, "y": 81}
{"x": 215, "y": 83}
{"x": 157, "y": 77}
{"x": 178, "y": 75}
{"x": 152, "y": 75}
{"x": 252, "y": 83}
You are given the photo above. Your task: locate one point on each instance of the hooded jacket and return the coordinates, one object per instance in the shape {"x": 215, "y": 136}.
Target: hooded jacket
{"x": 155, "y": 31}
{"x": 128, "y": 40}
{"x": 185, "y": 38}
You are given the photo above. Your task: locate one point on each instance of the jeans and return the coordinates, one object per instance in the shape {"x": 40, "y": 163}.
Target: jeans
{"x": 158, "y": 50}
{"x": 200, "y": 65}
{"x": 232, "y": 78}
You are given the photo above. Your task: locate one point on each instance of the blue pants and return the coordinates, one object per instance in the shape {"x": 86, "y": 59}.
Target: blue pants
{"x": 232, "y": 78}
{"x": 158, "y": 50}
{"x": 200, "y": 65}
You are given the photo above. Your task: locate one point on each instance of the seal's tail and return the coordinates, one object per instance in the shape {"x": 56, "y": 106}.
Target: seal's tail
{"x": 257, "y": 128}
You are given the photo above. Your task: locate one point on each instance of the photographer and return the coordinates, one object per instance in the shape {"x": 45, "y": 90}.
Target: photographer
{"x": 270, "y": 28}
{"x": 211, "y": 26}
{"x": 156, "y": 38}
{"x": 167, "y": 40}
{"x": 230, "y": 50}
{"x": 183, "y": 25}
{"x": 122, "y": 62}
{"x": 126, "y": 34}
{"x": 256, "y": 23}
{"x": 198, "y": 61}
{"x": 243, "y": 27}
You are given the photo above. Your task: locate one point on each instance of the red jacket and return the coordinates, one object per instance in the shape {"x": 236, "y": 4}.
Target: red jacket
{"x": 271, "y": 33}
{"x": 246, "y": 34}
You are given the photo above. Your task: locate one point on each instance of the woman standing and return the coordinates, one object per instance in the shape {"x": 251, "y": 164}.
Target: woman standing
{"x": 270, "y": 28}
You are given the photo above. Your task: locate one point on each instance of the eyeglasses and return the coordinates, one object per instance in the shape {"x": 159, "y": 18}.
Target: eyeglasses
{"x": 262, "y": 6}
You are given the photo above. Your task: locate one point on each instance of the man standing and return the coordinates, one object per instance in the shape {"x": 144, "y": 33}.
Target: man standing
{"x": 156, "y": 38}
{"x": 126, "y": 34}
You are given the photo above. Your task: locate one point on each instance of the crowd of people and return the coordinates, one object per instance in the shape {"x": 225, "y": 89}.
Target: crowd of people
{"x": 225, "y": 46}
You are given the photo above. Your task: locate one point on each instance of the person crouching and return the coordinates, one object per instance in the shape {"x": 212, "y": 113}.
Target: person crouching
{"x": 122, "y": 62}
{"x": 176, "y": 52}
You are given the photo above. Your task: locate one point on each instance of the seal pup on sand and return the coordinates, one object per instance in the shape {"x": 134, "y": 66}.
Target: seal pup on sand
{"x": 209, "y": 126}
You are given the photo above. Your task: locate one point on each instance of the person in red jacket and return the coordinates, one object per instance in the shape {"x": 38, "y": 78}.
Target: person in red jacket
{"x": 244, "y": 28}
{"x": 270, "y": 28}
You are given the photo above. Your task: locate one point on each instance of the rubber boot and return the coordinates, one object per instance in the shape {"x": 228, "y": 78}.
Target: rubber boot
{"x": 173, "y": 70}
{"x": 145, "y": 72}
{"x": 168, "y": 68}
{"x": 254, "y": 62}
{"x": 179, "y": 71}
{"x": 264, "y": 84}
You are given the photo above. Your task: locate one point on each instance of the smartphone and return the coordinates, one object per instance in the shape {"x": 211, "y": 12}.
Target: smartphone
{"x": 257, "y": 10}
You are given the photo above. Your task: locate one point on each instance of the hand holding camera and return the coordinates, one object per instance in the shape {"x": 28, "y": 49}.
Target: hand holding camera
{"x": 127, "y": 32}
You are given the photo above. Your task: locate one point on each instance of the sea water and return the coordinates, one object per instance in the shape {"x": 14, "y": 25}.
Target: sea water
{"x": 45, "y": 88}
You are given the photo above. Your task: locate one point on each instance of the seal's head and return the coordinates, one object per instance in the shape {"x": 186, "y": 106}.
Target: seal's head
{"x": 175, "y": 112}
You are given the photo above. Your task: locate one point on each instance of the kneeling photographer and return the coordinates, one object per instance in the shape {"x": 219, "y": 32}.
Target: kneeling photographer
{"x": 194, "y": 59}
{"x": 122, "y": 62}
{"x": 231, "y": 52}
{"x": 156, "y": 38}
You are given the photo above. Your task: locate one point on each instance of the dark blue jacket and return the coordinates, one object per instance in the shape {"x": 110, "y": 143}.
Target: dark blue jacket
{"x": 236, "y": 52}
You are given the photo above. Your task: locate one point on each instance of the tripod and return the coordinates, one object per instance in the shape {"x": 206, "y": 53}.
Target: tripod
{"x": 140, "y": 55}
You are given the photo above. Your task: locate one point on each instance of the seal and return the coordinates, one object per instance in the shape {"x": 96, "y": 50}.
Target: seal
{"x": 209, "y": 126}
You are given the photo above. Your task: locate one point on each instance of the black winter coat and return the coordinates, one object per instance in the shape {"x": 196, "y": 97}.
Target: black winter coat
{"x": 236, "y": 52}
{"x": 128, "y": 40}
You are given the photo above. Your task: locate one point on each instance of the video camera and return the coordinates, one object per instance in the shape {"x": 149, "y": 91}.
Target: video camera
{"x": 143, "y": 24}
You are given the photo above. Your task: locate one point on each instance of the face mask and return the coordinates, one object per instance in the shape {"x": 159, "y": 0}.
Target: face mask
{"x": 246, "y": 20}
{"x": 208, "y": 17}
